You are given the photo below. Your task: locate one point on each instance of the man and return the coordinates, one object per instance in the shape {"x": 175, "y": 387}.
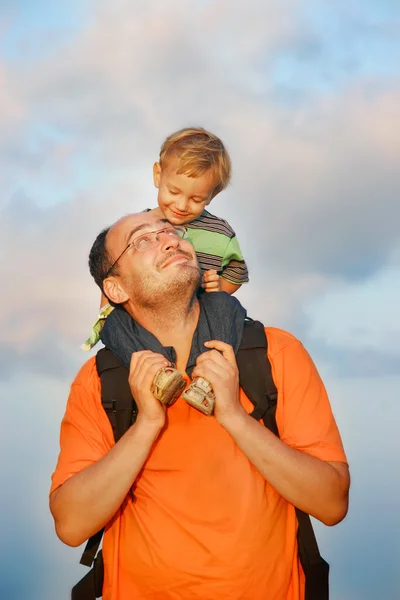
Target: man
{"x": 213, "y": 509}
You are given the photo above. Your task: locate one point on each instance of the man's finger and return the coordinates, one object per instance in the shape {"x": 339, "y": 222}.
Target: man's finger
{"x": 225, "y": 349}
{"x": 143, "y": 361}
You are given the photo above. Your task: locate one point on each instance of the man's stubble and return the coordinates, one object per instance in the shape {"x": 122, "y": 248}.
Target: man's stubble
{"x": 152, "y": 291}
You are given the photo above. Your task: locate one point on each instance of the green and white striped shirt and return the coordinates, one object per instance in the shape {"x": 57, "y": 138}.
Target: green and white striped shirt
{"x": 217, "y": 247}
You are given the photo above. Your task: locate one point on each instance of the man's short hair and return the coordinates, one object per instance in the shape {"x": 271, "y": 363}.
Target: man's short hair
{"x": 197, "y": 151}
{"x": 100, "y": 261}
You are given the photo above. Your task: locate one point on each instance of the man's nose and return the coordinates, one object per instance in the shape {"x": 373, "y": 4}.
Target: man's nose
{"x": 168, "y": 241}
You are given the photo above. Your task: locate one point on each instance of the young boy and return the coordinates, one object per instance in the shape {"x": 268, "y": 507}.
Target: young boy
{"x": 192, "y": 169}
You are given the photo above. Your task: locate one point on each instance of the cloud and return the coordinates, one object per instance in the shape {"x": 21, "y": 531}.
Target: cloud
{"x": 306, "y": 98}
{"x": 313, "y": 198}
{"x": 50, "y": 300}
{"x": 131, "y": 70}
{"x": 355, "y": 329}
{"x": 328, "y": 184}
{"x": 364, "y": 548}
{"x": 33, "y": 563}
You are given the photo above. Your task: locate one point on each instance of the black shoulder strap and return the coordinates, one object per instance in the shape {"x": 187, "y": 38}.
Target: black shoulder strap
{"x": 116, "y": 395}
{"x": 255, "y": 373}
{"x": 120, "y": 407}
{"x": 256, "y": 380}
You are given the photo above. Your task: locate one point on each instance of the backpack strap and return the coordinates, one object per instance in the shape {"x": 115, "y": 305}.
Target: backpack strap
{"x": 116, "y": 395}
{"x": 90, "y": 586}
{"x": 316, "y": 569}
{"x": 256, "y": 380}
{"x": 121, "y": 409}
{"x": 255, "y": 373}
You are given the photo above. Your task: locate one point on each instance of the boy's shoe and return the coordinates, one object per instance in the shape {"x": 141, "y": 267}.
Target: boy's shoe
{"x": 167, "y": 385}
{"x": 200, "y": 395}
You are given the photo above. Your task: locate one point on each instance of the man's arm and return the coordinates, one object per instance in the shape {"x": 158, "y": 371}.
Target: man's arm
{"x": 89, "y": 499}
{"x": 317, "y": 487}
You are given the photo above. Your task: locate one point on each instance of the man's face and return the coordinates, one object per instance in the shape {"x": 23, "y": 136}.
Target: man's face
{"x": 167, "y": 267}
{"x": 182, "y": 198}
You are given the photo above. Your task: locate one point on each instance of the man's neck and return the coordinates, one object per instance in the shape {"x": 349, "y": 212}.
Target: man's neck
{"x": 172, "y": 324}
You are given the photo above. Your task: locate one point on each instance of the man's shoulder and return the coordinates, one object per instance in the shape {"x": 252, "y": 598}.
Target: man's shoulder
{"x": 279, "y": 340}
{"x": 212, "y": 223}
{"x": 87, "y": 375}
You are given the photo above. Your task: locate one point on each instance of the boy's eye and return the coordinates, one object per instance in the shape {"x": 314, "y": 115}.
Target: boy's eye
{"x": 173, "y": 193}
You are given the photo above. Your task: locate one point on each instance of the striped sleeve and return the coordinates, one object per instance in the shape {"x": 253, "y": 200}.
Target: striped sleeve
{"x": 234, "y": 268}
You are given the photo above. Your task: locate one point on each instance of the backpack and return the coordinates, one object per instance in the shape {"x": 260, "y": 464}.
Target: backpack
{"x": 255, "y": 377}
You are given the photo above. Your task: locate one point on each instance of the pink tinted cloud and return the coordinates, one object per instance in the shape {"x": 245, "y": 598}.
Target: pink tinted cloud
{"x": 310, "y": 182}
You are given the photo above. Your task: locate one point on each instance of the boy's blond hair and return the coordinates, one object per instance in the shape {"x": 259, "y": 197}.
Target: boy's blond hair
{"x": 198, "y": 150}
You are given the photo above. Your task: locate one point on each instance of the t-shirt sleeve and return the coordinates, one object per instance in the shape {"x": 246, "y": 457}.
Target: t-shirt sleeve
{"x": 234, "y": 267}
{"x": 304, "y": 416}
{"x": 86, "y": 434}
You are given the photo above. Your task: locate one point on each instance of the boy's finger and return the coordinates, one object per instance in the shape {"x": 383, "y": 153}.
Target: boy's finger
{"x": 211, "y": 284}
{"x": 210, "y": 275}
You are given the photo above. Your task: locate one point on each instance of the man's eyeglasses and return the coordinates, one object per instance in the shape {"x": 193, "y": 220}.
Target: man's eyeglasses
{"x": 148, "y": 240}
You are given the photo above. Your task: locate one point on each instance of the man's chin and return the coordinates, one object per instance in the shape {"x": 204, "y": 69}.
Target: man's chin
{"x": 185, "y": 275}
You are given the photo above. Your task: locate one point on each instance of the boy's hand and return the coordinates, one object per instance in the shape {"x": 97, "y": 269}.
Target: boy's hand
{"x": 143, "y": 368}
{"x": 211, "y": 281}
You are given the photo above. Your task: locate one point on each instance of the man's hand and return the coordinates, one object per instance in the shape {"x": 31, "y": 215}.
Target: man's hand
{"x": 219, "y": 368}
{"x": 89, "y": 499}
{"x": 143, "y": 368}
{"x": 211, "y": 281}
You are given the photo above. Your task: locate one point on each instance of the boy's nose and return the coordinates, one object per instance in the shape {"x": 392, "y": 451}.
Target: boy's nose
{"x": 181, "y": 204}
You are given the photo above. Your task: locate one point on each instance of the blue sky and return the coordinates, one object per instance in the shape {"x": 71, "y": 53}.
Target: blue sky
{"x": 306, "y": 96}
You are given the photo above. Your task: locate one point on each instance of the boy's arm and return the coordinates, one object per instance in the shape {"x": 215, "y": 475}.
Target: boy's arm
{"x": 212, "y": 282}
{"x": 228, "y": 286}
{"x": 234, "y": 268}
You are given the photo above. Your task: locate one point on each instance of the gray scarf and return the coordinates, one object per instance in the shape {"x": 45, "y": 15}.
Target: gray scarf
{"x": 221, "y": 318}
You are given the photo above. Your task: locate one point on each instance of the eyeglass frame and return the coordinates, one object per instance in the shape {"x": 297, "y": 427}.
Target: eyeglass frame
{"x": 134, "y": 242}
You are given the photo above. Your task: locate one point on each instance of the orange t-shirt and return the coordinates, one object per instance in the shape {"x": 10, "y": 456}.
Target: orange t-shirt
{"x": 204, "y": 525}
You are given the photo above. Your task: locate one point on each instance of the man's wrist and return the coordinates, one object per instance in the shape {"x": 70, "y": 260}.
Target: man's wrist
{"x": 150, "y": 427}
{"x": 234, "y": 421}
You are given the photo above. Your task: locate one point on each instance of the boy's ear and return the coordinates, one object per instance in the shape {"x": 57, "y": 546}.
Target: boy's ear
{"x": 214, "y": 193}
{"x": 114, "y": 291}
{"x": 156, "y": 174}
{"x": 210, "y": 197}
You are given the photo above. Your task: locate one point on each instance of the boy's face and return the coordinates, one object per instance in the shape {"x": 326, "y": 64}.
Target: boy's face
{"x": 181, "y": 198}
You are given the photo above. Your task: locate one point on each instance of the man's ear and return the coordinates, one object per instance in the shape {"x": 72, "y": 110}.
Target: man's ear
{"x": 114, "y": 291}
{"x": 156, "y": 174}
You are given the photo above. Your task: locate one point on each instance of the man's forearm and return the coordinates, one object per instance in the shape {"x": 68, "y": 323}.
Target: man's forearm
{"x": 88, "y": 500}
{"x": 317, "y": 487}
